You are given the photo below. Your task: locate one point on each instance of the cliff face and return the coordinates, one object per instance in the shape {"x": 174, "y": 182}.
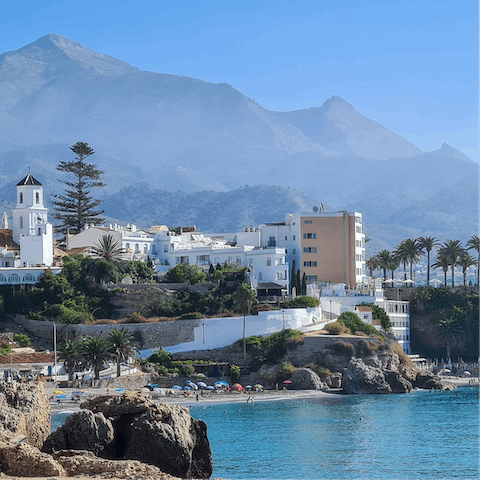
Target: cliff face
{"x": 24, "y": 411}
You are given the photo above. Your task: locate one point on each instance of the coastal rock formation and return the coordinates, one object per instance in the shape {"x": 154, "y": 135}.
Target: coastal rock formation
{"x": 83, "y": 430}
{"x": 132, "y": 427}
{"x": 306, "y": 379}
{"x": 24, "y": 411}
{"x": 362, "y": 378}
{"x": 430, "y": 381}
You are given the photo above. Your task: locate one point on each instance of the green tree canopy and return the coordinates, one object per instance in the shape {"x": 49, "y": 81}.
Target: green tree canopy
{"x": 121, "y": 345}
{"x": 184, "y": 273}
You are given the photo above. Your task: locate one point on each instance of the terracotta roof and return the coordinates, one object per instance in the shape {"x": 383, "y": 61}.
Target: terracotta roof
{"x": 364, "y": 309}
{"x": 29, "y": 180}
{"x": 6, "y": 239}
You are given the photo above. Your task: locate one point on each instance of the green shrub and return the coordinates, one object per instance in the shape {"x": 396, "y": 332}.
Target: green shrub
{"x": 403, "y": 357}
{"x": 22, "y": 339}
{"x": 184, "y": 273}
{"x": 187, "y": 370}
{"x": 160, "y": 356}
{"x": 192, "y": 315}
{"x": 117, "y": 290}
{"x": 336, "y": 328}
{"x": 285, "y": 370}
{"x": 6, "y": 349}
{"x": 353, "y": 322}
{"x": 302, "y": 302}
{"x": 234, "y": 373}
{"x": 274, "y": 347}
{"x": 162, "y": 370}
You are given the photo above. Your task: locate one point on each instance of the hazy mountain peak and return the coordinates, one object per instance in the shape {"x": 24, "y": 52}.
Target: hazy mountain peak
{"x": 337, "y": 102}
{"x": 447, "y": 151}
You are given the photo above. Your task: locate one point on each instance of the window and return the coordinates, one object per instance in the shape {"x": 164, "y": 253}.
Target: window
{"x": 2, "y": 279}
{"x": 309, "y": 235}
{"x": 272, "y": 242}
{"x": 28, "y": 278}
{"x": 39, "y": 231}
{"x": 239, "y": 261}
{"x": 165, "y": 248}
{"x": 250, "y": 262}
{"x": 145, "y": 249}
{"x": 309, "y": 264}
{"x": 308, "y": 221}
{"x": 137, "y": 248}
{"x": 230, "y": 260}
{"x": 286, "y": 238}
{"x": 294, "y": 236}
{"x": 311, "y": 278}
{"x": 358, "y": 229}
{"x": 260, "y": 276}
{"x": 21, "y": 198}
{"x": 203, "y": 259}
{"x": 37, "y": 197}
{"x": 294, "y": 251}
{"x": 21, "y": 221}
{"x": 154, "y": 249}
{"x": 365, "y": 316}
{"x": 269, "y": 262}
{"x": 184, "y": 260}
{"x": 14, "y": 278}
{"x": 309, "y": 249}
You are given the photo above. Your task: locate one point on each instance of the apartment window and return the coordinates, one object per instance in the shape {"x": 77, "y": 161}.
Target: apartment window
{"x": 311, "y": 278}
{"x": 260, "y": 276}
{"x": 137, "y": 248}
{"x": 21, "y": 197}
{"x": 358, "y": 229}
{"x": 294, "y": 251}
{"x": 184, "y": 260}
{"x": 239, "y": 261}
{"x": 21, "y": 221}
{"x": 39, "y": 231}
{"x": 286, "y": 238}
{"x": 272, "y": 242}
{"x": 309, "y": 235}
{"x": 308, "y": 221}
{"x": 203, "y": 259}
{"x": 165, "y": 248}
{"x": 309, "y": 249}
{"x": 269, "y": 262}
{"x": 279, "y": 261}
{"x": 365, "y": 317}
{"x": 230, "y": 260}
{"x": 309, "y": 264}
{"x": 145, "y": 249}
{"x": 293, "y": 236}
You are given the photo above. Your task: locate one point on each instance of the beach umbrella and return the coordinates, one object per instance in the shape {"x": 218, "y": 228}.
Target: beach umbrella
{"x": 248, "y": 387}
{"x": 445, "y": 370}
{"x": 194, "y": 386}
{"x": 58, "y": 391}
{"x": 221, "y": 382}
{"x": 177, "y": 387}
{"x": 466, "y": 372}
{"x": 202, "y": 384}
{"x": 209, "y": 387}
{"x": 186, "y": 387}
{"x": 61, "y": 396}
{"x": 188, "y": 382}
{"x": 287, "y": 381}
{"x": 120, "y": 390}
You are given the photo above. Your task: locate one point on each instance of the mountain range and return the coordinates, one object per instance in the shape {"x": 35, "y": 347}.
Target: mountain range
{"x": 165, "y": 141}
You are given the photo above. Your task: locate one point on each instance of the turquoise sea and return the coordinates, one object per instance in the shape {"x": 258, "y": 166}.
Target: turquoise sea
{"x": 421, "y": 435}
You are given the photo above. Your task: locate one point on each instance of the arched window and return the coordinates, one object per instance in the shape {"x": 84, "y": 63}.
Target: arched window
{"x": 21, "y": 221}
{"x": 145, "y": 249}
{"x": 2, "y": 279}
{"x": 269, "y": 262}
{"x": 37, "y": 197}
{"x": 28, "y": 278}
{"x": 21, "y": 197}
{"x": 136, "y": 248}
{"x": 14, "y": 278}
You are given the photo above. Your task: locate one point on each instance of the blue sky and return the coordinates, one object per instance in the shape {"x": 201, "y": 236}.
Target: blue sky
{"x": 410, "y": 65}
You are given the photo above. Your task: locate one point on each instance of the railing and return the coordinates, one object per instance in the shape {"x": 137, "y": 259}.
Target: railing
{"x": 274, "y": 298}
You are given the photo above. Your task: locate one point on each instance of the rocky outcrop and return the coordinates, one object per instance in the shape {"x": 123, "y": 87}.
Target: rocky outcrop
{"x": 305, "y": 379}
{"x": 131, "y": 427}
{"x": 432, "y": 382}
{"x": 362, "y": 378}
{"x": 24, "y": 411}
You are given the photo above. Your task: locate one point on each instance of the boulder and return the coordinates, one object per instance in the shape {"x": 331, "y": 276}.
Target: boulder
{"x": 397, "y": 382}
{"x": 24, "y": 410}
{"x": 83, "y": 430}
{"x": 362, "y": 378}
{"x": 27, "y": 461}
{"x": 306, "y": 379}
{"x": 432, "y": 382}
{"x": 132, "y": 427}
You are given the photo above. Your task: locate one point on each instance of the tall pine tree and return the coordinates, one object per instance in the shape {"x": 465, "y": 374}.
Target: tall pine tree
{"x": 76, "y": 207}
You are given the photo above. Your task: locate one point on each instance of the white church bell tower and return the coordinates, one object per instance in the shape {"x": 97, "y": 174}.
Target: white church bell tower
{"x": 31, "y": 229}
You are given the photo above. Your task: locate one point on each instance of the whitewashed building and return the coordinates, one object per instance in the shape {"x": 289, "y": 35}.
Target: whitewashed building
{"x": 27, "y": 248}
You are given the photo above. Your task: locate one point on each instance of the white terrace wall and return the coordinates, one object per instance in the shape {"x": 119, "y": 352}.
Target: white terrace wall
{"x": 186, "y": 335}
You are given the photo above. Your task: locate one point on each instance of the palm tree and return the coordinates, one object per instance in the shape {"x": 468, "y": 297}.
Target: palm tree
{"x": 442, "y": 262}
{"x": 453, "y": 249}
{"x": 474, "y": 244}
{"x": 372, "y": 265}
{"x": 70, "y": 352}
{"x": 393, "y": 265}
{"x": 451, "y": 334}
{"x": 243, "y": 299}
{"x": 108, "y": 248}
{"x": 410, "y": 251}
{"x": 95, "y": 351}
{"x": 121, "y": 345}
{"x": 383, "y": 261}
{"x": 466, "y": 261}
{"x": 427, "y": 244}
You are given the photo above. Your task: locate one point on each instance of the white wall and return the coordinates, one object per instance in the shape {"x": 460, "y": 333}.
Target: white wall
{"x": 221, "y": 332}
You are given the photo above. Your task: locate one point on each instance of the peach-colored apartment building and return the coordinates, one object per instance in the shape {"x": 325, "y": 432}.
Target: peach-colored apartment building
{"x": 326, "y": 246}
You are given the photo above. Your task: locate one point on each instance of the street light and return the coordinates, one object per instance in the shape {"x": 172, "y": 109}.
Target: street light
{"x": 283, "y": 322}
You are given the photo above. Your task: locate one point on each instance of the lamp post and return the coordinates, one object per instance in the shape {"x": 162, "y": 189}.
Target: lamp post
{"x": 331, "y": 313}
{"x": 55, "y": 350}
{"x": 283, "y": 321}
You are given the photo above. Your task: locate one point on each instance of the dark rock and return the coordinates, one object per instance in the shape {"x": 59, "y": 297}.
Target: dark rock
{"x": 397, "y": 382}
{"x": 306, "y": 379}
{"x": 132, "y": 427}
{"x": 82, "y": 430}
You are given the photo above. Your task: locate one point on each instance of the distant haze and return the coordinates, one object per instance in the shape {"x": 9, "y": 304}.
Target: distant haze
{"x": 157, "y": 133}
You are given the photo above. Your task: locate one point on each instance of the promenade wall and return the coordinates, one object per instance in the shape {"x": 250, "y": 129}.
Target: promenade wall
{"x": 185, "y": 335}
